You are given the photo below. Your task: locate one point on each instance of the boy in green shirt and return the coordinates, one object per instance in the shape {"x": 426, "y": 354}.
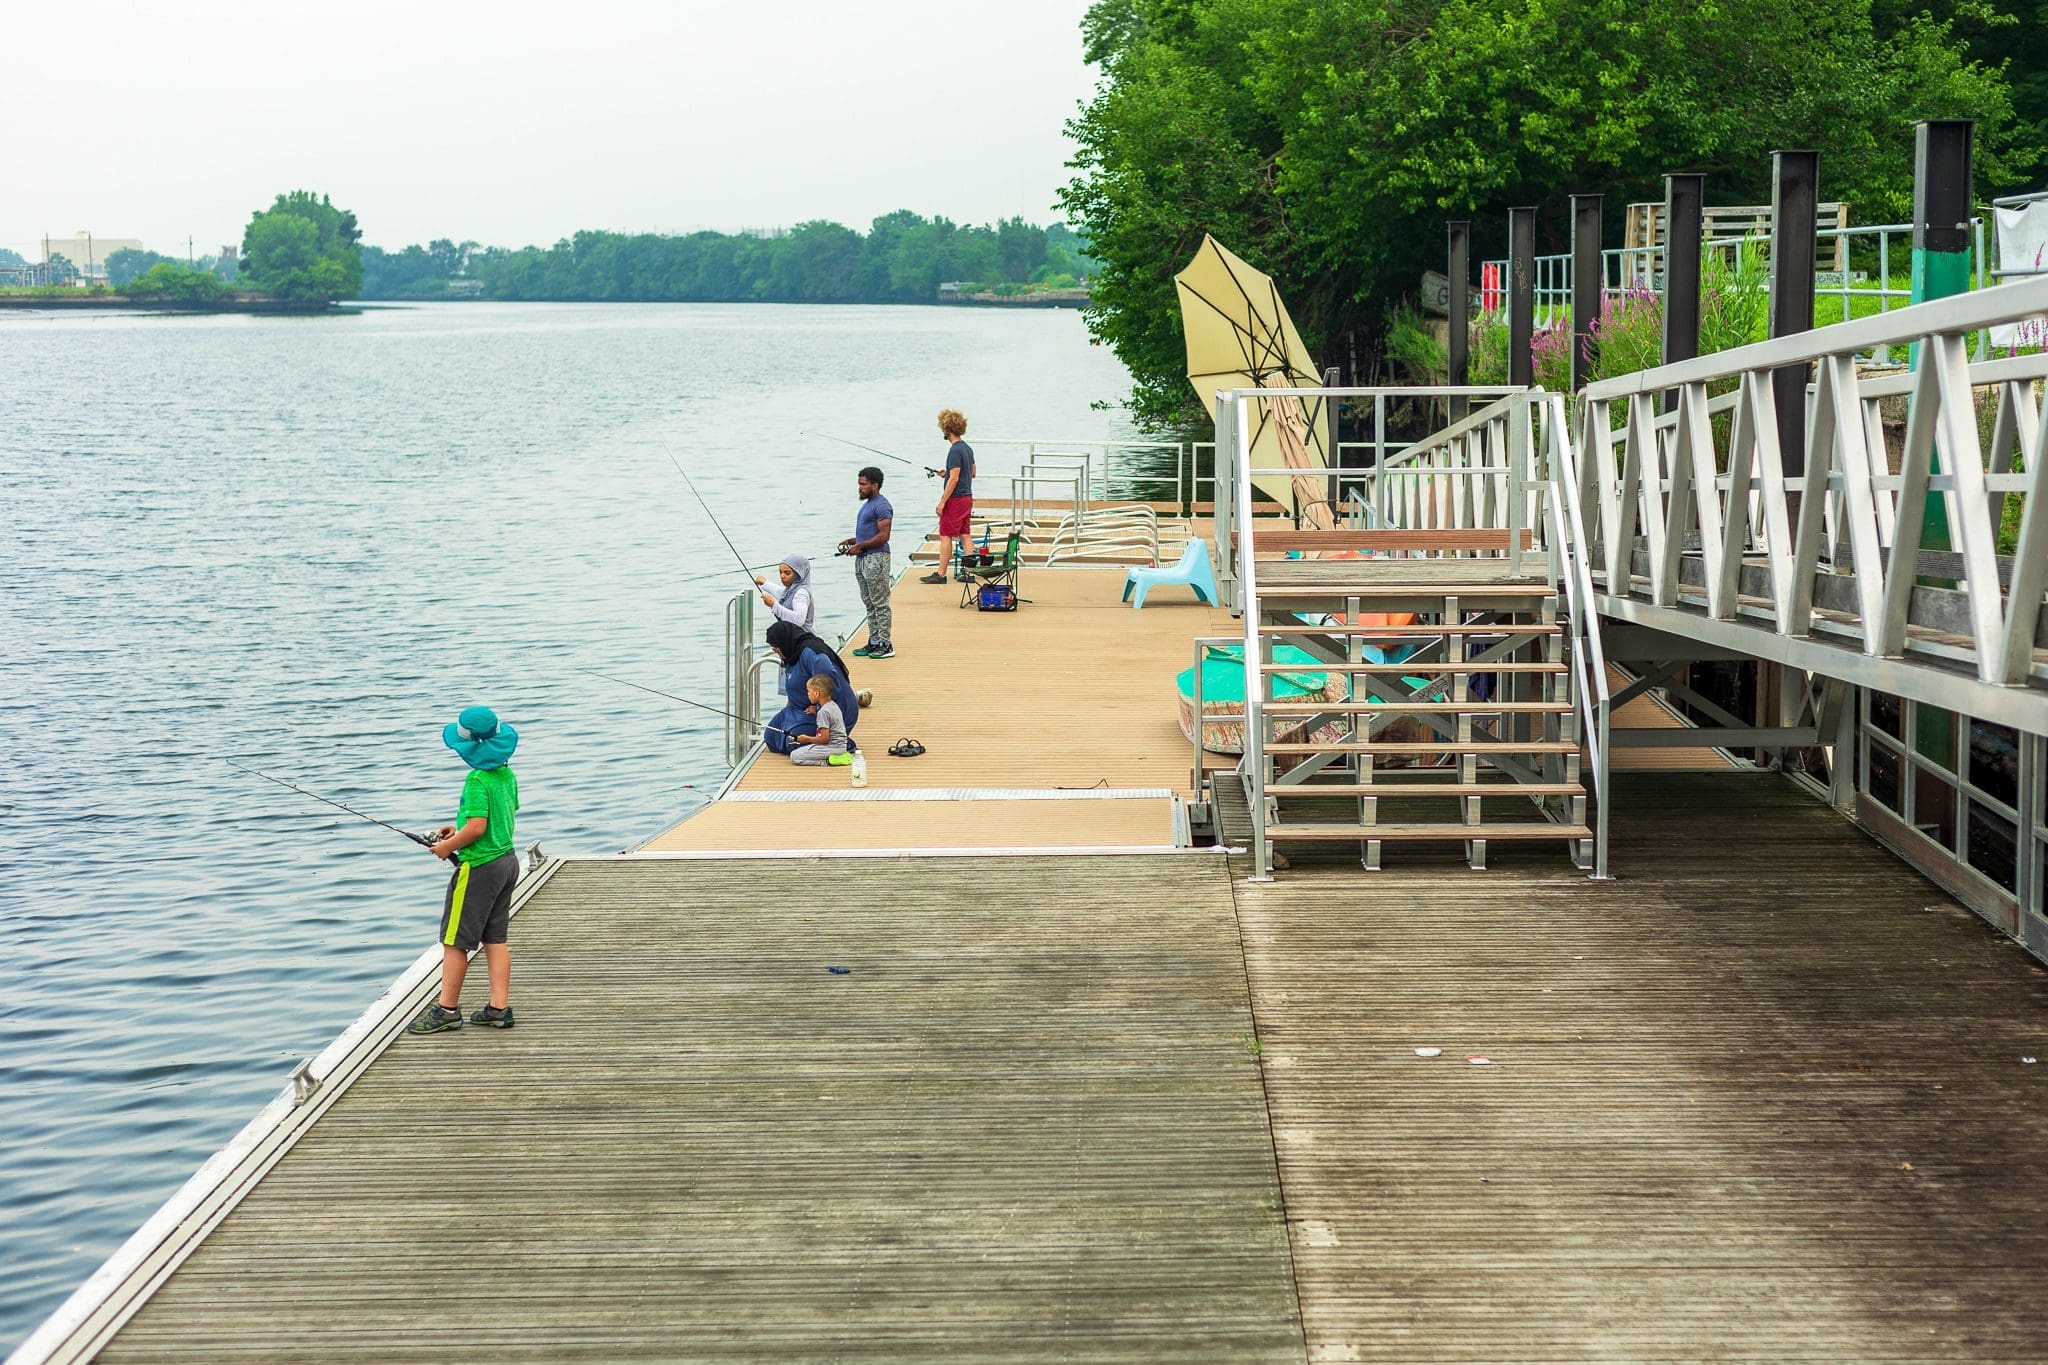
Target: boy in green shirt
{"x": 478, "y": 906}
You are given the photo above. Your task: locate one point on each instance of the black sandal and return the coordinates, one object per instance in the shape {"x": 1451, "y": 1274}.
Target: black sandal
{"x": 906, "y": 748}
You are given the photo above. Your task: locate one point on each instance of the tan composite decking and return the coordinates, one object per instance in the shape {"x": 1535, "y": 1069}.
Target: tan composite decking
{"x": 1074, "y": 690}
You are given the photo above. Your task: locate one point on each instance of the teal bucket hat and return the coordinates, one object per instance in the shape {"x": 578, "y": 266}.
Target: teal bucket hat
{"x": 483, "y": 741}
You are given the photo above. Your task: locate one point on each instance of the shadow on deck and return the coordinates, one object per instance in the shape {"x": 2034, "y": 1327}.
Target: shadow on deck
{"x": 1764, "y": 1096}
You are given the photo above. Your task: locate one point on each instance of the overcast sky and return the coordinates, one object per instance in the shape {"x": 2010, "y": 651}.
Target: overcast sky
{"x": 515, "y": 123}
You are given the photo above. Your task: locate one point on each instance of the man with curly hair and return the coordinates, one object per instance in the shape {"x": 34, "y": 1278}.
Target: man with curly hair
{"x": 956, "y": 501}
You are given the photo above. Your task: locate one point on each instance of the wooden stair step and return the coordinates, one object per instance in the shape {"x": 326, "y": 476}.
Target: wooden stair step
{"x": 1360, "y": 708}
{"x": 1397, "y": 790}
{"x": 1414, "y": 669}
{"x": 1392, "y": 632}
{"x": 1531, "y": 829}
{"x": 1445, "y": 746}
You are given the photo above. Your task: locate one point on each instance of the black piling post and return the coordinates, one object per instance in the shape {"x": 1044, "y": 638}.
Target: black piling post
{"x": 1458, "y": 334}
{"x": 1684, "y": 197}
{"x": 1521, "y": 296}
{"x": 1795, "y": 206}
{"x": 1589, "y": 284}
{"x": 1942, "y": 154}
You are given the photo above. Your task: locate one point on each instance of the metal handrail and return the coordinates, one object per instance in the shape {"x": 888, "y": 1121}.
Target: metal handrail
{"x": 1199, "y": 771}
{"x": 1254, "y": 645}
{"x": 1589, "y": 654}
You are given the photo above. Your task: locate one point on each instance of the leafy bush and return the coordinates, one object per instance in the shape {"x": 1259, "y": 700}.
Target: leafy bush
{"x": 174, "y": 283}
{"x": 1414, "y": 347}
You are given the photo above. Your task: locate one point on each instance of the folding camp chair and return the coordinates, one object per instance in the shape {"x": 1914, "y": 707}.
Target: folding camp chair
{"x": 975, "y": 578}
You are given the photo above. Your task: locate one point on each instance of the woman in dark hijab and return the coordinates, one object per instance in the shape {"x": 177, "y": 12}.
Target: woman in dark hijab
{"x": 804, "y": 656}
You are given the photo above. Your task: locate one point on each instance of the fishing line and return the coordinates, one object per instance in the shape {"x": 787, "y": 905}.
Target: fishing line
{"x": 422, "y": 840}
{"x": 737, "y": 557}
{"x": 776, "y": 729}
{"x": 934, "y": 473}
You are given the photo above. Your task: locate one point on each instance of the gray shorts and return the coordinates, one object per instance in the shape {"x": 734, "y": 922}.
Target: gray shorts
{"x": 478, "y": 908}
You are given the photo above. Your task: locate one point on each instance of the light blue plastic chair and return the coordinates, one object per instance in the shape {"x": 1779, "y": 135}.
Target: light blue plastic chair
{"x": 1193, "y": 571}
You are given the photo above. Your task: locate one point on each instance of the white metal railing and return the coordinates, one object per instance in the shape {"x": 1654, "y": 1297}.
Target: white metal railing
{"x": 742, "y": 679}
{"x": 1493, "y": 478}
{"x": 1685, "y": 490}
{"x": 1234, "y": 414}
{"x": 1115, "y": 467}
{"x": 1587, "y": 653}
{"x": 1348, "y": 491}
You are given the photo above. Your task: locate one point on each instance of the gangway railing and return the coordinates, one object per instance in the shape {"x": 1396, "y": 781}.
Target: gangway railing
{"x": 1586, "y": 653}
{"x": 1696, "y": 527}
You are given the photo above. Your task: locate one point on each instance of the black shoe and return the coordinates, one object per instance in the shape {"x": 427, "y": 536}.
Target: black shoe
{"x": 884, "y": 652}
{"x": 434, "y": 1019}
{"x": 933, "y": 578}
{"x": 490, "y": 1016}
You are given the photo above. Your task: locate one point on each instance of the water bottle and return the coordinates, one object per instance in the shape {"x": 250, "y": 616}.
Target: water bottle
{"x": 860, "y": 767}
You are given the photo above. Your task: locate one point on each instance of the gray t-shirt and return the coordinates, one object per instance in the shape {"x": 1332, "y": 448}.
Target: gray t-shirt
{"x": 833, "y": 724}
{"x": 960, "y": 456}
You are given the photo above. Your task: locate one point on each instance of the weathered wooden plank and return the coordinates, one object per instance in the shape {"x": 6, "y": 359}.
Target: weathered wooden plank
{"x": 1762, "y": 1097}
{"x": 1024, "y": 1123}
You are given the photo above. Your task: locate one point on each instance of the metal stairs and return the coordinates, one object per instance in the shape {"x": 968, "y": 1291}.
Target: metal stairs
{"x": 1456, "y": 722}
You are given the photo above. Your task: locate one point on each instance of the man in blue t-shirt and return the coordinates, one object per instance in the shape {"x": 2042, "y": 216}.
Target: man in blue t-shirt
{"x": 870, "y": 545}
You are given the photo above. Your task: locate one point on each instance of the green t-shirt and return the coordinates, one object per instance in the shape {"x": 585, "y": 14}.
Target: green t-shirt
{"x": 493, "y": 794}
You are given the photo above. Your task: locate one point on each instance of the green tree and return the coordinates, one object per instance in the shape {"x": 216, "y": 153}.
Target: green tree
{"x": 304, "y": 249}
{"x": 174, "y": 282}
{"x": 1328, "y": 143}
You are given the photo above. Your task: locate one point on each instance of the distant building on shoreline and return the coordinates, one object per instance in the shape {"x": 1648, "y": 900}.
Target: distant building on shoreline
{"x": 88, "y": 252}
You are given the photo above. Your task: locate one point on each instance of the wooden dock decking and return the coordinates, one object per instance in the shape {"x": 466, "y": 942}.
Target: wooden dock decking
{"x": 1767, "y": 1096}
{"x": 1072, "y": 694}
{"x": 1025, "y": 1123}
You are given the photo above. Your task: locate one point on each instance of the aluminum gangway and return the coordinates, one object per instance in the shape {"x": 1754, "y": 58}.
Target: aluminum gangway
{"x": 1882, "y": 564}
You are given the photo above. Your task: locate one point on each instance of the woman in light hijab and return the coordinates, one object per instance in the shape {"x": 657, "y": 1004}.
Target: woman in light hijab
{"x": 793, "y": 602}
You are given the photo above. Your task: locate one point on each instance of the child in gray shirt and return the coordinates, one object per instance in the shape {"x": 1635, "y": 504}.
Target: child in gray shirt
{"x": 818, "y": 750}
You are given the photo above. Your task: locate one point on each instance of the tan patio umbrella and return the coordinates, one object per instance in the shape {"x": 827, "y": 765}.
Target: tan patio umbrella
{"x": 1240, "y": 337}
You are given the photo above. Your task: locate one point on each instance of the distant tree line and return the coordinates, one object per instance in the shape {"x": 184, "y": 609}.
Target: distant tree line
{"x": 902, "y": 258}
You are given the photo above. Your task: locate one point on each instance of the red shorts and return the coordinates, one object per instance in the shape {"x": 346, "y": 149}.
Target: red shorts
{"x": 959, "y": 513}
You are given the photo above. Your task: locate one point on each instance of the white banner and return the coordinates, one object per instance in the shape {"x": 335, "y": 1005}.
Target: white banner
{"x": 2022, "y": 245}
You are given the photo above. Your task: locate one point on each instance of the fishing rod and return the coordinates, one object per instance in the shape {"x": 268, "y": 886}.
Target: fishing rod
{"x": 934, "y": 473}
{"x": 777, "y": 729}
{"x": 422, "y": 840}
{"x": 738, "y": 558}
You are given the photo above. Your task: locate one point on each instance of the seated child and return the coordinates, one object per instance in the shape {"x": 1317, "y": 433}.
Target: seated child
{"x": 818, "y": 750}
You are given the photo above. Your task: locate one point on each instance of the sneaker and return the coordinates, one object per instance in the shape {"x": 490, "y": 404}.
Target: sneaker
{"x": 490, "y": 1016}
{"x": 933, "y": 578}
{"x": 434, "y": 1019}
{"x": 880, "y": 652}
{"x": 865, "y": 651}
{"x": 839, "y": 760}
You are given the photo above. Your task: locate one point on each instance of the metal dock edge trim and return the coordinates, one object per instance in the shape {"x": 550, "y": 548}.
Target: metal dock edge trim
{"x": 97, "y": 1309}
{"x": 956, "y": 794}
{"x": 767, "y": 854}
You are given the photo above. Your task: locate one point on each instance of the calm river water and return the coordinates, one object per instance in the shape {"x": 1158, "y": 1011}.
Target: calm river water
{"x": 305, "y": 543}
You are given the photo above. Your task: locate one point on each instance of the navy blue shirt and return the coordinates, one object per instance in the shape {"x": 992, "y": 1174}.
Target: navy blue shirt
{"x": 868, "y": 524}
{"x": 960, "y": 456}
